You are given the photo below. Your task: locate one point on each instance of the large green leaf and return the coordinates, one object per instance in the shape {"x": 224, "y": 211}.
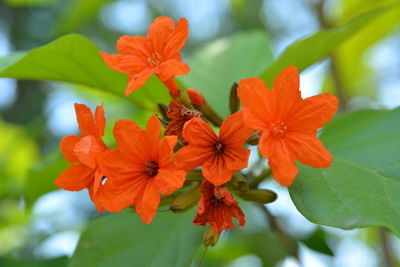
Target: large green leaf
{"x": 305, "y": 53}
{"x": 123, "y": 240}
{"x": 362, "y": 187}
{"x": 75, "y": 59}
{"x": 23, "y": 3}
{"x": 217, "y": 65}
{"x": 77, "y": 13}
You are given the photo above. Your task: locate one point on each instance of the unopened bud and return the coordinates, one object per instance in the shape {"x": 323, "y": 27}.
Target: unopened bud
{"x": 253, "y": 139}
{"x": 186, "y": 200}
{"x": 262, "y": 196}
{"x": 163, "y": 111}
{"x": 234, "y": 102}
{"x": 238, "y": 182}
{"x": 196, "y": 98}
{"x": 210, "y": 237}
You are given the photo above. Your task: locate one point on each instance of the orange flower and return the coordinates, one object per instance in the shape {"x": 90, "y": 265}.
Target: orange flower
{"x": 157, "y": 53}
{"x": 141, "y": 169}
{"x": 219, "y": 155}
{"x": 179, "y": 115}
{"x": 288, "y": 123}
{"x": 196, "y": 98}
{"x": 84, "y": 150}
{"x": 217, "y": 207}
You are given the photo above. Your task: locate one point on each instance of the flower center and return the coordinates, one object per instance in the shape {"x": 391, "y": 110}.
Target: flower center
{"x": 155, "y": 59}
{"x": 219, "y": 147}
{"x": 151, "y": 168}
{"x": 216, "y": 201}
{"x": 278, "y": 128}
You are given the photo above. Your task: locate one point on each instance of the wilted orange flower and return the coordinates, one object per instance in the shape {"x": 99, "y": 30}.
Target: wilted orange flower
{"x": 84, "y": 150}
{"x": 196, "y": 98}
{"x": 179, "y": 115}
{"x": 288, "y": 123}
{"x": 217, "y": 207}
{"x": 141, "y": 169}
{"x": 157, "y": 53}
{"x": 219, "y": 155}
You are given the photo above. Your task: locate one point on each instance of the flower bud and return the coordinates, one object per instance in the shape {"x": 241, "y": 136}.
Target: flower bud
{"x": 262, "y": 196}
{"x": 234, "y": 99}
{"x": 163, "y": 111}
{"x": 186, "y": 200}
{"x": 254, "y": 139}
{"x": 210, "y": 237}
{"x": 196, "y": 98}
{"x": 238, "y": 182}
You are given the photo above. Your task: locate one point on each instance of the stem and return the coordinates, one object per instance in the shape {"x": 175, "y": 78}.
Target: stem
{"x": 287, "y": 241}
{"x": 202, "y": 257}
{"x": 253, "y": 183}
{"x": 387, "y": 250}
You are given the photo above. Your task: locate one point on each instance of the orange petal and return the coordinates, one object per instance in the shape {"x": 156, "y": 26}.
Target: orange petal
{"x": 138, "y": 80}
{"x": 177, "y": 39}
{"x": 153, "y": 132}
{"x": 168, "y": 180}
{"x": 171, "y": 68}
{"x": 146, "y": 205}
{"x": 124, "y": 63}
{"x": 75, "y": 178}
{"x": 198, "y": 132}
{"x": 257, "y": 99}
{"x": 313, "y": 113}
{"x": 85, "y": 119}
{"x": 160, "y": 31}
{"x": 166, "y": 149}
{"x": 86, "y": 150}
{"x": 286, "y": 87}
{"x": 236, "y": 158}
{"x": 100, "y": 121}
{"x": 131, "y": 140}
{"x": 134, "y": 45}
{"x": 190, "y": 157}
{"x": 283, "y": 170}
{"x": 125, "y": 180}
{"x": 309, "y": 150}
{"x": 281, "y": 158}
{"x": 233, "y": 131}
{"x": 216, "y": 171}
{"x": 67, "y": 145}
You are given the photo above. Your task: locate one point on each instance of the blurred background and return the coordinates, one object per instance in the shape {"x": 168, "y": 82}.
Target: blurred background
{"x": 44, "y": 226}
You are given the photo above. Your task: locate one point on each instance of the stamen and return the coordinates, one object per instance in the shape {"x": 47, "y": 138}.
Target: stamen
{"x": 155, "y": 59}
{"x": 278, "y": 128}
{"x": 151, "y": 168}
{"x": 219, "y": 147}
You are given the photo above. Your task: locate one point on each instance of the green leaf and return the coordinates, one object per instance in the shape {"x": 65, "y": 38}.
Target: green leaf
{"x": 217, "y": 65}
{"x": 317, "y": 241}
{"x": 362, "y": 187}
{"x": 123, "y": 240}
{"x": 42, "y": 176}
{"x": 75, "y": 59}
{"x": 77, "y": 13}
{"x": 18, "y": 152}
{"x": 56, "y": 262}
{"x": 22, "y": 3}
{"x": 309, "y": 51}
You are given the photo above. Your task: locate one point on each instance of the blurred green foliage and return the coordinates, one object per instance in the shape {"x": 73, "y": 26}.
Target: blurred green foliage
{"x": 359, "y": 190}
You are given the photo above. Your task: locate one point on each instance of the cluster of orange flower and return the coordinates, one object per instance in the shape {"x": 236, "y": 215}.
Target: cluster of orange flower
{"x": 143, "y": 166}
